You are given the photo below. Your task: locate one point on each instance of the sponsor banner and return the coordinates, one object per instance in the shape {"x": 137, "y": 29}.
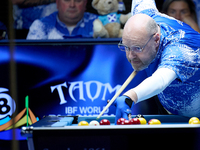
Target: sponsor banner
{"x": 64, "y": 79}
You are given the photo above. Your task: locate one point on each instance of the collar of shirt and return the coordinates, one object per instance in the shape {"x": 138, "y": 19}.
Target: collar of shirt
{"x": 64, "y": 26}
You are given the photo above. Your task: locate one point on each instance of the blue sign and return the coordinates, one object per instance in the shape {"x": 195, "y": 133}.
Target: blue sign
{"x": 66, "y": 77}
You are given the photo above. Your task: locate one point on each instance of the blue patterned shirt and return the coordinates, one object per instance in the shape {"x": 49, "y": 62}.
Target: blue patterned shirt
{"x": 51, "y": 27}
{"x": 179, "y": 51}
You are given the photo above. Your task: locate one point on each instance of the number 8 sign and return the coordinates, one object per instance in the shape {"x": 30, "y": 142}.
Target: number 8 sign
{"x": 7, "y": 104}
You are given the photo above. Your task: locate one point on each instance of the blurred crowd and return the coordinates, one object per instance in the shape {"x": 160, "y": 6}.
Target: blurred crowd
{"x": 60, "y": 19}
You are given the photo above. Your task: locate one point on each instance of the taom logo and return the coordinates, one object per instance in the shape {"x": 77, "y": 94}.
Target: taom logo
{"x": 7, "y": 104}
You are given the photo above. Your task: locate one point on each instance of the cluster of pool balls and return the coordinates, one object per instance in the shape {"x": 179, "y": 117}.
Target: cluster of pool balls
{"x": 139, "y": 119}
{"x": 94, "y": 123}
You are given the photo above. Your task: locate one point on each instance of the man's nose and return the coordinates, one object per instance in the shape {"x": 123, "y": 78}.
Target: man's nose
{"x": 72, "y": 3}
{"x": 132, "y": 54}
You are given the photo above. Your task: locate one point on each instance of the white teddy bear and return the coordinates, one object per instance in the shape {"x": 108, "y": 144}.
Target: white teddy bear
{"x": 108, "y": 24}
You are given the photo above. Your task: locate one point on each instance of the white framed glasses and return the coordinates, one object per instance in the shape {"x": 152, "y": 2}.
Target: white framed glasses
{"x": 136, "y": 49}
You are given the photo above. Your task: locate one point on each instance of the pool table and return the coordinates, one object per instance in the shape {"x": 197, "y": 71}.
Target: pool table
{"x": 63, "y": 133}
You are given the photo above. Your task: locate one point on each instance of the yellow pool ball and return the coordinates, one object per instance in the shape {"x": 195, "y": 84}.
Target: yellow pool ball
{"x": 194, "y": 120}
{"x": 142, "y": 121}
{"x": 154, "y": 122}
{"x": 83, "y": 123}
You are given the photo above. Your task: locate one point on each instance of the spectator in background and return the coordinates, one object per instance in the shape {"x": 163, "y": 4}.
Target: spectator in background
{"x": 183, "y": 10}
{"x": 25, "y": 12}
{"x": 70, "y": 21}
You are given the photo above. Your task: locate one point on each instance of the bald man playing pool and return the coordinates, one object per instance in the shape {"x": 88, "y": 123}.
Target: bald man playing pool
{"x": 168, "y": 50}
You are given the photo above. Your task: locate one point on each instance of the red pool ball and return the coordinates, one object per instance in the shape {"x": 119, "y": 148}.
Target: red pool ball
{"x": 135, "y": 121}
{"x": 120, "y": 121}
{"x": 126, "y": 122}
{"x": 104, "y": 122}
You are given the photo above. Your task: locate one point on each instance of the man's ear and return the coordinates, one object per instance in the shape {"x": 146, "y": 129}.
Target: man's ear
{"x": 157, "y": 39}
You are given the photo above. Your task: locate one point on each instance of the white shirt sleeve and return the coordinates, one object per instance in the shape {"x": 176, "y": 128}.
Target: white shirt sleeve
{"x": 140, "y": 5}
{"x": 155, "y": 84}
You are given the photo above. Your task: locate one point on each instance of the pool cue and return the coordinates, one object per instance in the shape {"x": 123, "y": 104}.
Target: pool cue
{"x": 128, "y": 80}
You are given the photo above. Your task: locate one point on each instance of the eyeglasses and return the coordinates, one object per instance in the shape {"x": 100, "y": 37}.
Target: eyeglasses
{"x": 136, "y": 49}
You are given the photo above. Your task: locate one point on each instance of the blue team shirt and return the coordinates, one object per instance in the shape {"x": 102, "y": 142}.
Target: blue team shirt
{"x": 51, "y": 27}
{"x": 179, "y": 51}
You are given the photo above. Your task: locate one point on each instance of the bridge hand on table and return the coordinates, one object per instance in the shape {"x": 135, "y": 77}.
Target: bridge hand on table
{"x": 123, "y": 109}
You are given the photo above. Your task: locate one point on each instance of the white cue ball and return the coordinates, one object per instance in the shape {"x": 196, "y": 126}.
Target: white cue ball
{"x": 94, "y": 123}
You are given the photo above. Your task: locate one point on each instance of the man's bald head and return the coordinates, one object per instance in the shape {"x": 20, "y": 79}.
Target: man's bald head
{"x": 139, "y": 25}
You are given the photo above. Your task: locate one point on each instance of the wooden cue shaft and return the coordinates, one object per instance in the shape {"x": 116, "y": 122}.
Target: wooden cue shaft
{"x": 128, "y": 80}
